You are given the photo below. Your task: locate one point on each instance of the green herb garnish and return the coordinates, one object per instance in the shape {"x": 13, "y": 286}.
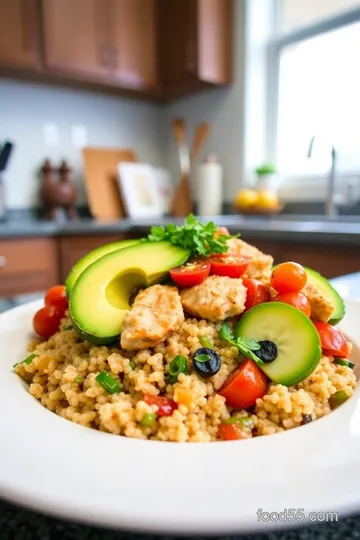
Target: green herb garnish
{"x": 202, "y": 358}
{"x": 246, "y": 422}
{"x": 338, "y": 398}
{"x": 132, "y": 364}
{"x": 111, "y": 385}
{"x": 343, "y": 362}
{"x": 246, "y": 346}
{"x": 177, "y": 366}
{"x": 205, "y": 342}
{"x": 148, "y": 419}
{"x": 79, "y": 379}
{"x": 27, "y": 360}
{"x": 198, "y": 237}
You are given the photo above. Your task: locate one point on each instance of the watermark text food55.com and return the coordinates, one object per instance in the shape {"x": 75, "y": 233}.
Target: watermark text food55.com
{"x": 293, "y": 515}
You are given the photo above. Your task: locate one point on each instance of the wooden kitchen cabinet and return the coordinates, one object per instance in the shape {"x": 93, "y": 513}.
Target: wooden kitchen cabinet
{"x": 76, "y": 37}
{"x": 27, "y": 265}
{"x": 195, "y": 42}
{"x": 19, "y": 34}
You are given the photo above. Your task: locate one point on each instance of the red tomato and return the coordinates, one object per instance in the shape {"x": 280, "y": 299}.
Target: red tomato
{"x": 166, "y": 405}
{"x": 229, "y": 432}
{"x": 295, "y": 299}
{"x": 56, "y": 296}
{"x": 191, "y": 273}
{"x": 226, "y": 265}
{"x": 47, "y": 321}
{"x": 256, "y": 293}
{"x": 333, "y": 342}
{"x": 244, "y": 386}
{"x": 288, "y": 277}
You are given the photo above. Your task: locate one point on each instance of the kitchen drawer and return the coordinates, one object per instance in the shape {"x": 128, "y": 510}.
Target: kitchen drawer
{"x": 27, "y": 265}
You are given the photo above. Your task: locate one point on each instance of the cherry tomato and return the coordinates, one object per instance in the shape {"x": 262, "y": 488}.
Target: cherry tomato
{"x": 56, "y": 296}
{"x": 333, "y": 342}
{"x": 191, "y": 273}
{"x": 244, "y": 386}
{"x": 47, "y": 321}
{"x": 256, "y": 293}
{"x": 166, "y": 405}
{"x": 295, "y": 299}
{"x": 229, "y": 432}
{"x": 288, "y": 277}
{"x": 226, "y": 265}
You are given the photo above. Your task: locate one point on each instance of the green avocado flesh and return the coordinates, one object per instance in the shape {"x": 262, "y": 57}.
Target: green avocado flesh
{"x": 296, "y": 338}
{"x": 91, "y": 257}
{"x": 328, "y": 291}
{"x": 100, "y": 298}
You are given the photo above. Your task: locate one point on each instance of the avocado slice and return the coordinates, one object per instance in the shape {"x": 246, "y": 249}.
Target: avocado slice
{"x": 93, "y": 256}
{"x": 328, "y": 291}
{"x": 100, "y": 298}
{"x": 295, "y": 336}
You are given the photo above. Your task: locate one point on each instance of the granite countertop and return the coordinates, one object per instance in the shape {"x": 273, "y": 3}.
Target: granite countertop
{"x": 317, "y": 228}
{"x": 19, "y": 524}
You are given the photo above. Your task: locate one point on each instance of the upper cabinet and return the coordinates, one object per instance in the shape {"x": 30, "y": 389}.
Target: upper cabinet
{"x": 158, "y": 48}
{"x": 19, "y": 34}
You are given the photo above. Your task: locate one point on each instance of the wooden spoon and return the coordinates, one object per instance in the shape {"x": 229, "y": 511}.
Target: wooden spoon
{"x": 201, "y": 134}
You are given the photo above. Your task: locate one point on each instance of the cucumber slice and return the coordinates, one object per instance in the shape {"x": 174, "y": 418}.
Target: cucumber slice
{"x": 296, "y": 338}
{"x": 328, "y": 291}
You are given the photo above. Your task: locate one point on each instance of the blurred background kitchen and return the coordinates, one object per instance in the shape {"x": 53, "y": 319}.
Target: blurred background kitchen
{"x": 120, "y": 114}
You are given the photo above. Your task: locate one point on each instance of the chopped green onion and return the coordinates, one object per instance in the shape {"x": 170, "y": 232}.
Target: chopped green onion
{"x": 132, "y": 364}
{"x": 202, "y": 358}
{"x": 27, "y": 360}
{"x": 70, "y": 327}
{"x": 338, "y": 398}
{"x": 79, "y": 379}
{"x": 205, "y": 342}
{"x": 111, "y": 385}
{"x": 177, "y": 366}
{"x": 245, "y": 421}
{"x": 343, "y": 362}
{"x": 148, "y": 419}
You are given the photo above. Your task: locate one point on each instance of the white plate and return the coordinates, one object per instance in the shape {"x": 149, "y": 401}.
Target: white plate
{"x": 57, "y": 467}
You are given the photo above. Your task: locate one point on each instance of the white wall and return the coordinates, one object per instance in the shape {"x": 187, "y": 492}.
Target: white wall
{"x": 110, "y": 121}
{"x": 224, "y": 110}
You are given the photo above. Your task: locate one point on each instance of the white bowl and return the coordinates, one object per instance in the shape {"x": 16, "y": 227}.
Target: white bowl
{"x": 57, "y": 467}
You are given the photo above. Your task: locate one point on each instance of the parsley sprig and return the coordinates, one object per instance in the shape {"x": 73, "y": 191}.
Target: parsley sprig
{"x": 246, "y": 346}
{"x": 198, "y": 237}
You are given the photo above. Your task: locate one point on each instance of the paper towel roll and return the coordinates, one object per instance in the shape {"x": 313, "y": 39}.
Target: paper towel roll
{"x": 209, "y": 187}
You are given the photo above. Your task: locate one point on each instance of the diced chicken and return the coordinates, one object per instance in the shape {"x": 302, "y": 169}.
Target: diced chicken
{"x": 215, "y": 299}
{"x": 155, "y": 315}
{"x": 321, "y": 308}
{"x": 260, "y": 265}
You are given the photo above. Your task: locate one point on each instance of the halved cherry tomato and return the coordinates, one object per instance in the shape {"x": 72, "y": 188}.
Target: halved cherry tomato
{"x": 56, "y": 296}
{"x": 229, "y": 432}
{"x": 47, "y": 321}
{"x": 288, "y": 277}
{"x": 256, "y": 293}
{"x": 333, "y": 342}
{"x": 166, "y": 405}
{"x": 191, "y": 273}
{"x": 295, "y": 299}
{"x": 227, "y": 265}
{"x": 244, "y": 386}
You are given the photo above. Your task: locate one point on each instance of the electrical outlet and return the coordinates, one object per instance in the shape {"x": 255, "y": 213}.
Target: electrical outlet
{"x": 78, "y": 136}
{"x": 51, "y": 134}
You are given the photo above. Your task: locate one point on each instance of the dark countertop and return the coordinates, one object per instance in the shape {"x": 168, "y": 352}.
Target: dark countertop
{"x": 298, "y": 228}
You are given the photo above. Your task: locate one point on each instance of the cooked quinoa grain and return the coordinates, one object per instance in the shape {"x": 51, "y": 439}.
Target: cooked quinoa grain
{"x": 62, "y": 377}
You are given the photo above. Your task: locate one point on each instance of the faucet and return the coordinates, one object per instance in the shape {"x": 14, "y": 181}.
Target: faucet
{"x": 330, "y": 206}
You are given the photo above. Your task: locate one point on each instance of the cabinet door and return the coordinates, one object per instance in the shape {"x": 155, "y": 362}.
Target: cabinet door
{"x": 76, "y": 36}
{"x": 133, "y": 36}
{"x": 19, "y": 33}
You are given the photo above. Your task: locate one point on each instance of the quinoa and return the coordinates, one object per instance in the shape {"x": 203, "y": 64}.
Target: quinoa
{"x": 62, "y": 377}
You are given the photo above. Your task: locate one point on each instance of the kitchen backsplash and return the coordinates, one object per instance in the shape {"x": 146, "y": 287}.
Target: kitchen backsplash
{"x": 45, "y": 122}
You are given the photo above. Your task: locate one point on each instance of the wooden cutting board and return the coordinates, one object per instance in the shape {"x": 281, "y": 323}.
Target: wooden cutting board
{"x": 100, "y": 176}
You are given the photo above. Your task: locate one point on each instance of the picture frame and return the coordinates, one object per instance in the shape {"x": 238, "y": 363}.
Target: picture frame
{"x": 139, "y": 190}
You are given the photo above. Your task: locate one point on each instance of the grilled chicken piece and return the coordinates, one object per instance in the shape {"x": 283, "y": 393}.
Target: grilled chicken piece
{"x": 215, "y": 299}
{"x": 321, "y": 308}
{"x": 260, "y": 264}
{"x": 154, "y": 316}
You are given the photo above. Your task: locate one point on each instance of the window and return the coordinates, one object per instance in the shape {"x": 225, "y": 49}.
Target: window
{"x": 314, "y": 86}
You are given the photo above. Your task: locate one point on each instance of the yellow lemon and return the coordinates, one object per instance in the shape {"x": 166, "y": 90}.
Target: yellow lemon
{"x": 267, "y": 199}
{"x": 246, "y": 198}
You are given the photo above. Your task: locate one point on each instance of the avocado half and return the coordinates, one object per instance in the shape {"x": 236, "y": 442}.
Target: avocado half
{"x": 100, "y": 297}
{"x": 323, "y": 285}
{"x": 91, "y": 257}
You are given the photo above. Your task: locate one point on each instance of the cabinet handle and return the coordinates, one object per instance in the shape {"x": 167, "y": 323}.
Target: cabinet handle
{"x": 3, "y": 261}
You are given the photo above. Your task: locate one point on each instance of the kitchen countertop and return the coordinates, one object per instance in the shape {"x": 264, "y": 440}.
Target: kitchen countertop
{"x": 20, "y": 524}
{"x": 299, "y": 228}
